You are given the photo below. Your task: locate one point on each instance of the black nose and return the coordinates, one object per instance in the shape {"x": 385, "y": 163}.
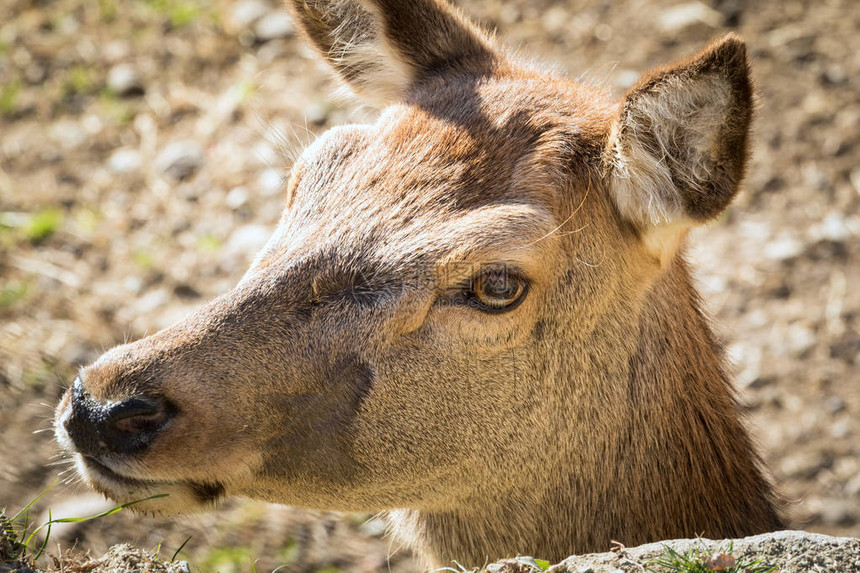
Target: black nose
{"x": 119, "y": 427}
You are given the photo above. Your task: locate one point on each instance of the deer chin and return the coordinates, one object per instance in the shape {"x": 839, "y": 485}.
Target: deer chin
{"x": 155, "y": 497}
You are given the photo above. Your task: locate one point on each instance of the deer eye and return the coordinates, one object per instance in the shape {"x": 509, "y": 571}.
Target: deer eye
{"x": 497, "y": 290}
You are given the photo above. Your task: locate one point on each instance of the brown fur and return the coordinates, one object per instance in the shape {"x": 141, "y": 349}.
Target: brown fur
{"x": 343, "y": 373}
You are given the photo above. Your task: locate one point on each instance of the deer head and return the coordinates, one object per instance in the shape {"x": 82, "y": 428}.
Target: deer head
{"x": 459, "y": 307}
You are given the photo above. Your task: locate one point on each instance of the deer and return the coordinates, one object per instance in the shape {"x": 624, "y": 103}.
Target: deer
{"x": 475, "y": 313}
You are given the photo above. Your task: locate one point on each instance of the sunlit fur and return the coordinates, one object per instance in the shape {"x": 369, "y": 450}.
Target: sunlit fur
{"x": 338, "y": 374}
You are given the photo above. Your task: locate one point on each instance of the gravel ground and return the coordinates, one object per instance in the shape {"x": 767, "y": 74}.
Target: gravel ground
{"x": 142, "y": 148}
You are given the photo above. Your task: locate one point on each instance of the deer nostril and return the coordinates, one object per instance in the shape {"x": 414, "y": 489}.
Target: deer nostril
{"x": 137, "y": 416}
{"x": 131, "y": 425}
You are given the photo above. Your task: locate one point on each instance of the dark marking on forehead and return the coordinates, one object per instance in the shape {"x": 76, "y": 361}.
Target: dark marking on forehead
{"x": 365, "y": 285}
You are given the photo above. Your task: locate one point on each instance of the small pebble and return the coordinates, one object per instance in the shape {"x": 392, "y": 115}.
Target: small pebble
{"x": 840, "y": 430}
{"x": 374, "y": 527}
{"x": 34, "y": 73}
{"x": 783, "y": 248}
{"x": 124, "y": 80}
{"x": 835, "y": 74}
{"x": 180, "y": 159}
{"x": 124, "y": 161}
{"x": 800, "y": 339}
{"x": 317, "y": 112}
{"x": 237, "y": 197}
{"x": 67, "y": 133}
{"x": 603, "y": 32}
{"x": 834, "y": 404}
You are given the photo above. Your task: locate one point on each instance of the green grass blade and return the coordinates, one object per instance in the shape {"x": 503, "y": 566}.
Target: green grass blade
{"x": 181, "y": 547}
{"x": 91, "y": 517}
{"x": 25, "y": 510}
{"x": 45, "y": 542}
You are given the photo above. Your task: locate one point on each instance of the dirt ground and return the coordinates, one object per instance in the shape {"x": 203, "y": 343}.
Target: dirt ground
{"x": 142, "y": 149}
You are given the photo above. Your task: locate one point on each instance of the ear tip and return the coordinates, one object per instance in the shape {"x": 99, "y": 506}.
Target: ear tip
{"x": 731, "y": 41}
{"x": 728, "y": 51}
{"x": 730, "y": 47}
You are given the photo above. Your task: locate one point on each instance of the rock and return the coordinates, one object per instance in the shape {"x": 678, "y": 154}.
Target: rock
{"x": 788, "y": 551}
{"x": 180, "y": 159}
{"x": 686, "y": 15}
{"x": 127, "y": 558}
{"x": 124, "y": 80}
{"x": 124, "y": 161}
{"x": 274, "y": 25}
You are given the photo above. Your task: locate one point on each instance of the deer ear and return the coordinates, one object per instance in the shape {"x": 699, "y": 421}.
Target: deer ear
{"x": 382, "y": 47}
{"x": 678, "y": 149}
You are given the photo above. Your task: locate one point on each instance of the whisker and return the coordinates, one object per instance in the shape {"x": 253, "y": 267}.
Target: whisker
{"x": 571, "y": 216}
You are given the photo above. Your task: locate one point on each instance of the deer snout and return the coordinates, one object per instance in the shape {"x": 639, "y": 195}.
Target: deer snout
{"x": 128, "y": 426}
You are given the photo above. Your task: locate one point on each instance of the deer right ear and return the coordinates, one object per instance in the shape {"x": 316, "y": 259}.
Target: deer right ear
{"x": 678, "y": 149}
{"x": 382, "y": 47}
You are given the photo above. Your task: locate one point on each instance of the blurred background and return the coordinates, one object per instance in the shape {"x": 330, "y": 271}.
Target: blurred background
{"x": 143, "y": 145}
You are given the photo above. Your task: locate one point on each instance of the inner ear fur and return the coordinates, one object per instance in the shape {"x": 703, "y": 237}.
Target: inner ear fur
{"x": 382, "y": 47}
{"x": 678, "y": 149}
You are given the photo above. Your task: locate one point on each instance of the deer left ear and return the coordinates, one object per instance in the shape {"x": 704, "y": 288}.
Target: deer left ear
{"x": 678, "y": 149}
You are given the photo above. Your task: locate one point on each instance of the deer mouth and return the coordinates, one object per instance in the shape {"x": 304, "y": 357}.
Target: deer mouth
{"x": 105, "y": 472}
{"x": 150, "y": 496}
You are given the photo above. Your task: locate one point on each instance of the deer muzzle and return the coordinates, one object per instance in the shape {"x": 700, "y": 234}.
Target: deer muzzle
{"x": 122, "y": 427}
